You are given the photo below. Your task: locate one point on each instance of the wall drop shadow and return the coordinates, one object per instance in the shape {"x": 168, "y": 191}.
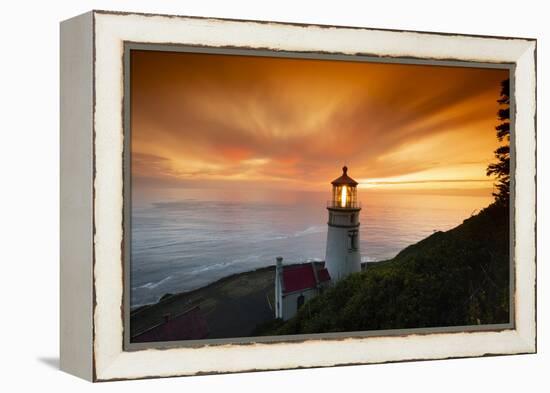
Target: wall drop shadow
{"x": 52, "y": 362}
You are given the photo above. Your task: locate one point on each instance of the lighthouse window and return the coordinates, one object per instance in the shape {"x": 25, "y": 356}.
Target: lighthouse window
{"x": 352, "y": 240}
{"x": 352, "y": 218}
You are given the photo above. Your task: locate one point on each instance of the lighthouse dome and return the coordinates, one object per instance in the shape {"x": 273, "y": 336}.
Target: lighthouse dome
{"x": 344, "y": 180}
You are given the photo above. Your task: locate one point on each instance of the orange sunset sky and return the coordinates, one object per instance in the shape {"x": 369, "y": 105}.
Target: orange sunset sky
{"x": 217, "y": 121}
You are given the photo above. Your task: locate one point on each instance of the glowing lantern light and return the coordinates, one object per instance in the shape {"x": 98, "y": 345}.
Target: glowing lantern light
{"x": 344, "y": 192}
{"x": 344, "y": 196}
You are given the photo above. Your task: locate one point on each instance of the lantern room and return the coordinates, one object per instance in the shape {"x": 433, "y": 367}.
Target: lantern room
{"x": 344, "y": 192}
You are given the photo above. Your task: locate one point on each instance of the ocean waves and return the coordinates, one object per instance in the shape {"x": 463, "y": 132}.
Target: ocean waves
{"x": 183, "y": 245}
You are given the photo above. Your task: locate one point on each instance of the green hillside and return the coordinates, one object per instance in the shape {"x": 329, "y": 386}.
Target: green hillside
{"x": 453, "y": 278}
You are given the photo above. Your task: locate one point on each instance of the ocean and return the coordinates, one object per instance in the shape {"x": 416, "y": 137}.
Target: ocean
{"x": 180, "y": 244}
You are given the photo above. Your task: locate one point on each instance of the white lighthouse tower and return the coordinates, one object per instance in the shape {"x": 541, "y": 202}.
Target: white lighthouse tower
{"x": 343, "y": 255}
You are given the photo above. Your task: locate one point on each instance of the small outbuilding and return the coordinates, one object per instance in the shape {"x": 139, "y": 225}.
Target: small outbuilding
{"x": 296, "y": 284}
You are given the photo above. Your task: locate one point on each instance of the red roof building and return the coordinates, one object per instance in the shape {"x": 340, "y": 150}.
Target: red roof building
{"x": 190, "y": 325}
{"x": 295, "y": 284}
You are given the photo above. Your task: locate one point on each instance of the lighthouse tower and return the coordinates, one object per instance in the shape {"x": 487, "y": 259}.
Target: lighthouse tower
{"x": 343, "y": 255}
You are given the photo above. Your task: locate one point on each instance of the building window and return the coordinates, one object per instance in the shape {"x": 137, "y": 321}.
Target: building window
{"x": 300, "y": 302}
{"x": 353, "y": 240}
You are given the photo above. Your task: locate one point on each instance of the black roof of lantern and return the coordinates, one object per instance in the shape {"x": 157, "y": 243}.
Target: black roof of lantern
{"x": 344, "y": 180}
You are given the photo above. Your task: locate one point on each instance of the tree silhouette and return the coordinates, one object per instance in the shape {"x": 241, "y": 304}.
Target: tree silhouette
{"x": 501, "y": 168}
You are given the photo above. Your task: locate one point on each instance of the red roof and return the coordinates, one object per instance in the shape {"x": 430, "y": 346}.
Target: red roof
{"x": 300, "y": 277}
{"x": 187, "y": 326}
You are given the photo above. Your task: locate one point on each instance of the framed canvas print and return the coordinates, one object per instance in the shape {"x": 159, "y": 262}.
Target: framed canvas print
{"x": 245, "y": 195}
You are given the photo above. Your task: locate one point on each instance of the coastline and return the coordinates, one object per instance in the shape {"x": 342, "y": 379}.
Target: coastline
{"x": 232, "y": 305}
{"x": 245, "y": 299}
{"x": 242, "y": 304}
{"x": 185, "y": 245}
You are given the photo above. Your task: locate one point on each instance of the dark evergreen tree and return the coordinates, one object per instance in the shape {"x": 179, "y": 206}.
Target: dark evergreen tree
{"x": 501, "y": 168}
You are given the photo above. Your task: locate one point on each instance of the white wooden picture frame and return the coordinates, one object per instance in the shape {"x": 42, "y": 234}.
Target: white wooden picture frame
{"x": 92, "y": 196}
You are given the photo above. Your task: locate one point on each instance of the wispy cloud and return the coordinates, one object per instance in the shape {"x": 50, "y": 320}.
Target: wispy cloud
{"x": 212, "y": 119}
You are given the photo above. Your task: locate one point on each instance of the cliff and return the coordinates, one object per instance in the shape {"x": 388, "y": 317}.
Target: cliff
{"x": 453, "y": 278}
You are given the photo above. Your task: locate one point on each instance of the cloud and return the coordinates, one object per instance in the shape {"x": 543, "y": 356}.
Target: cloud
{"x": 207, "y": 119}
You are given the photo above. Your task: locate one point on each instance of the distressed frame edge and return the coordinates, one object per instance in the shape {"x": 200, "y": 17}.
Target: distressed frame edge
{"x": 525, "y": 214}
{"x": 527, "y": 340}
{"x": 76, "y": 196}
{"x": 304, "y": 24}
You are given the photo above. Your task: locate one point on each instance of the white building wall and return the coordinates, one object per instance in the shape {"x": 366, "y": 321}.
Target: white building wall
{"x": 279, "y": 288}
{"x": 290, "y": 301}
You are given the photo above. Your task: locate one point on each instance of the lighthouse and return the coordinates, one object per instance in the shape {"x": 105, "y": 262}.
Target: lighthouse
{"x": 343, "y": 255}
